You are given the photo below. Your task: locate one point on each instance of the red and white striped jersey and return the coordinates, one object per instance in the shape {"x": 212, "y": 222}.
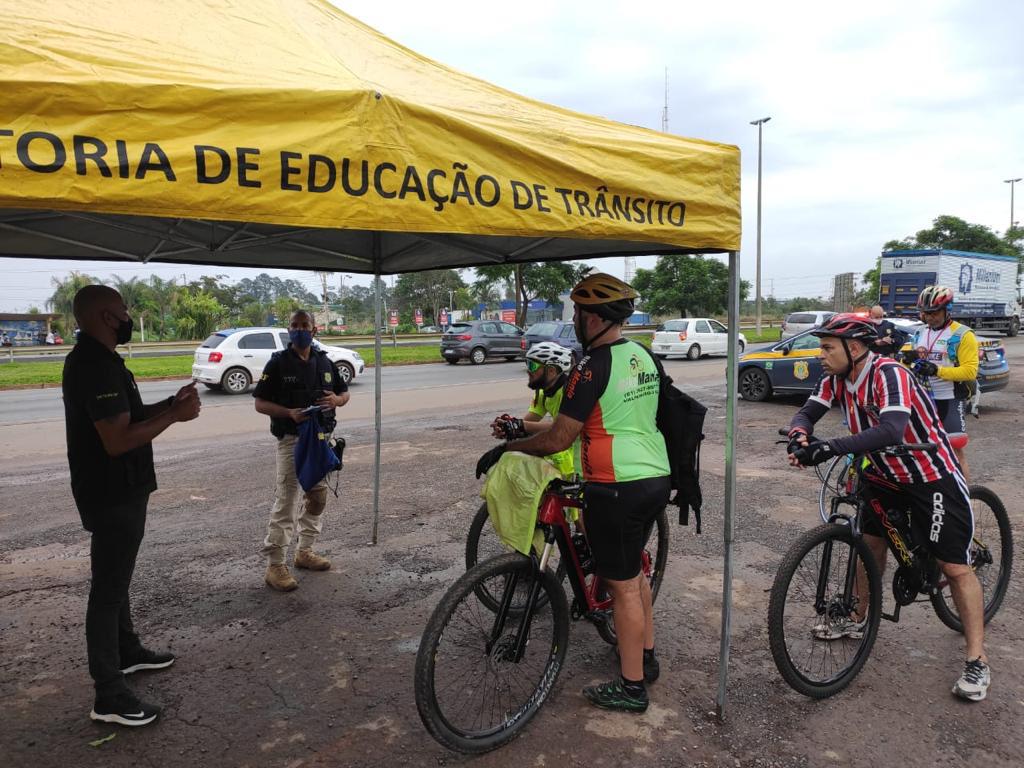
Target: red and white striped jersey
{"x": 885, "y": 385}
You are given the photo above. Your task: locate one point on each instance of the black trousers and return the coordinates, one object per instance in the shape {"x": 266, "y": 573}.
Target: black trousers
{"x": 109, "y": 634}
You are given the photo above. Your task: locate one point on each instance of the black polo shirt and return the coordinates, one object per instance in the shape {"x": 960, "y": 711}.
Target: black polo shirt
{"x": 290, "y": 381}
{"x": 98, "y": 385}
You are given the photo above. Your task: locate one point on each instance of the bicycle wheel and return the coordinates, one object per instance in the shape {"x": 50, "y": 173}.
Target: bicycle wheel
{"x": 471, "y": 694}
{"x": 991, "y": 558}
{"x": 656, "y": 555}
{"x": 482, "y": 543}
{"x": 809, "y": 600}
{"x": 833, "y": 483}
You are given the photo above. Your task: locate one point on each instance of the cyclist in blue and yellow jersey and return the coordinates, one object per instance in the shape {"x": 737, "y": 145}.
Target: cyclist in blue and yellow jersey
{"x": 885, "y": 405}
{"x": 547, "y": 368}
{"x": 610, "y": 402}
{"x": 947, "y": 356}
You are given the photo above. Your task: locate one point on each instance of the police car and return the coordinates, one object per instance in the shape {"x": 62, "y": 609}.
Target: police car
{"x": 791, "y": 366}
{"x": 233, "y": 358}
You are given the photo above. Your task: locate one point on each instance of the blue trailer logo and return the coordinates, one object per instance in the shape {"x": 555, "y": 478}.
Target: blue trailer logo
{"x": 966, "y": 277}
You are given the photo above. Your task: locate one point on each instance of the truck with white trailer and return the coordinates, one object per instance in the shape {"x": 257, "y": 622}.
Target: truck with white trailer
{"x": 985, "y": 288}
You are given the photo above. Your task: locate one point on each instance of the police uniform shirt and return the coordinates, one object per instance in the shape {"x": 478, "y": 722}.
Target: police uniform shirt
{"x": 97, "y": 385}
{"x": 292, "y": 382}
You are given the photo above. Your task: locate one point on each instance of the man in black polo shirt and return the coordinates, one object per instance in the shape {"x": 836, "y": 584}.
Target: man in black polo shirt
{"x": 110, "y": 452}
{"x": 295, "y": 379}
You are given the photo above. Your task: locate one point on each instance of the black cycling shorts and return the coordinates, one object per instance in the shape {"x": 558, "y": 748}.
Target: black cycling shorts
{"x": 941, "y": 517}
{"x": 952, "y": 413}
{"x": 618, "y": 526}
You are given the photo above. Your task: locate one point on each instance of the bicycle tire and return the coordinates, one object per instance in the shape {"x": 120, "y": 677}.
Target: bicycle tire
{"x": 833, "y": 483}
{"x": 441, "y": 637}
{"x": 993, "y": 589}
{"x": 784, "y": 645}
{"x": 606, "y": 629}
{"x": 474, "y": 556}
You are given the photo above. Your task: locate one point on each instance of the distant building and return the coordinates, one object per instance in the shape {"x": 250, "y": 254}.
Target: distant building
{"x": 28, "y": 329}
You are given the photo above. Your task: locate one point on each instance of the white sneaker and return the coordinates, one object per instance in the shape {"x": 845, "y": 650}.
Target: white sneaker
{"x": 838, "y": 629}
{"x": 974, "y": 682}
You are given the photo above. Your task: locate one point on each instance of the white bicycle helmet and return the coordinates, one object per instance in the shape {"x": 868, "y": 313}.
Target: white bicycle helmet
{"x": 549, "y": 353}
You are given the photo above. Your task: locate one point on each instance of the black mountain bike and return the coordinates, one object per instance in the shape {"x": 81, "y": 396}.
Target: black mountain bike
{"x": 829, "y": 575}
{"x": 493, "y": 648}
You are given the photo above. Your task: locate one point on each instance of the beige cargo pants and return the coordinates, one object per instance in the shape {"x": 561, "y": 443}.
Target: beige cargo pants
{"x": 286, "y": 509}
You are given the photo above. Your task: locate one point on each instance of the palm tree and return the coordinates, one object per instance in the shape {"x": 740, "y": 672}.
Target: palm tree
{"x": 161, "y": 293}
{"x": 62, "y": 302}
{"x": 134, "y": 292}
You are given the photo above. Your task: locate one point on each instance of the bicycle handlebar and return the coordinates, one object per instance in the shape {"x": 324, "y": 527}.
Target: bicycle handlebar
{"x": 895, "y": 450}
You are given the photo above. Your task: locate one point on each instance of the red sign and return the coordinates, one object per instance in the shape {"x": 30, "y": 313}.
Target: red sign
{"x": 444, "y": 317}
{"x": 508, "y": 315}
{"x": 419, "y": 317}
{"x": 392, "y": 317}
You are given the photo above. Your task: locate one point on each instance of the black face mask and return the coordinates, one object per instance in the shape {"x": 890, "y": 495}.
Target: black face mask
{"x": 124, "y": 331}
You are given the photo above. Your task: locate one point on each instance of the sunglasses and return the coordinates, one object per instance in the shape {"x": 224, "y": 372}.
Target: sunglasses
{"x": 532, "y": 366}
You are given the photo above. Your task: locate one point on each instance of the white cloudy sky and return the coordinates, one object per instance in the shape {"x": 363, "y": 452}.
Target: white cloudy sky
{"x": 884, "y": 114}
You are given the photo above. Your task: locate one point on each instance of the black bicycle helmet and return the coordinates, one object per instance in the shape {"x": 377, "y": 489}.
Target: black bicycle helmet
{"x": 848, "y": 326}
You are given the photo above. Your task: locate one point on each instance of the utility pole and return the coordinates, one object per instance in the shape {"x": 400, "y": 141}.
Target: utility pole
{"x": 760, "y": 124}
{"x": 1012, "y": 183}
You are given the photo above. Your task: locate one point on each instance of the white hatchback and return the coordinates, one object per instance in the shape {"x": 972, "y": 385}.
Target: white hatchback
{"x": 798, "y": 322}
{"x": 234, "y": 358}
{"x": 693, "y": 337}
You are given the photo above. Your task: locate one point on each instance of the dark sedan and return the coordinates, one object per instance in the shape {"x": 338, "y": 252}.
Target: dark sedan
{"x": 478, "y": 340}
{"x": 554, "y": 330}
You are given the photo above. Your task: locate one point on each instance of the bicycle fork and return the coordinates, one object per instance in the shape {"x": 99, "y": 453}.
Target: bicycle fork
{"x": 847, "y": 602}
{"x": 515, "y": 653}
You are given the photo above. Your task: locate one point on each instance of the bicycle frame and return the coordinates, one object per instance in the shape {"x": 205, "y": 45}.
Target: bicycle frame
{"x": 919, "y": 570}
{"x": 552, "y": 519}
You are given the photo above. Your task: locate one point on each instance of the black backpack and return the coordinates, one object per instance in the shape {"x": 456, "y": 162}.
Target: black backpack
{"x": 681, "y": 422}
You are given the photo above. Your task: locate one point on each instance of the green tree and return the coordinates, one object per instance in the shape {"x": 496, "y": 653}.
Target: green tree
{"x": 161, "y": 299}
{"x": 63, "y": 298}
{"x": 682, "y": 283}
{"x": 283, "y": 307}
{"x": 196, "y": 314}
{"x": 535, "y": 280}
{"x": 428, "y": 291}
{"x": 955, "y": 234}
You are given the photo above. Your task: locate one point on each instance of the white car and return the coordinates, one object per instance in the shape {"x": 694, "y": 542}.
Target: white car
{"x": 798, "y": 322}
{"x": 234, "y": 358}
{"x": 693, "y": 337}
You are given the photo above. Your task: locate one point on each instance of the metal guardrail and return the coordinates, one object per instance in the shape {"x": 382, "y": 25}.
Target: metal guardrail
{"x": 60, "y": 351}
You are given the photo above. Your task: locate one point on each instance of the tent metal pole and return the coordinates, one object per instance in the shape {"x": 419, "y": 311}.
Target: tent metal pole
{"x": 376, "y": 381}
{"x": 730, "y": 478}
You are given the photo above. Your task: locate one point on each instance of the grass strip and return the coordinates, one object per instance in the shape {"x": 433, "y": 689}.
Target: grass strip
{"x": 28, "y": 374}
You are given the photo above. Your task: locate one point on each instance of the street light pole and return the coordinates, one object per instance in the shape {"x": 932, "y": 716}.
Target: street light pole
{"x": 760, "y": 124}
{"x": 1011, "y": 182}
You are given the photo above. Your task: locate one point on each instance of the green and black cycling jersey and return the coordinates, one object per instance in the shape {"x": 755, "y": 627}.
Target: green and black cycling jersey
{"x": 614, "y": 392}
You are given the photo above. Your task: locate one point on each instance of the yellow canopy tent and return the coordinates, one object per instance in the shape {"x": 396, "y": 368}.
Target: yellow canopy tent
{"x": 287, "y": 134}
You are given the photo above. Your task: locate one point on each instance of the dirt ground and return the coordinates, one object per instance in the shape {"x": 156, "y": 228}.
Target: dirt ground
{"x": 323, "y": 676}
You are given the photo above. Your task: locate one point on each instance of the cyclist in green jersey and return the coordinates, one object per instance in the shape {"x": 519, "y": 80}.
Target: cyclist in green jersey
{"x": 610, "y": 402}
{"x": 547, "y": 364}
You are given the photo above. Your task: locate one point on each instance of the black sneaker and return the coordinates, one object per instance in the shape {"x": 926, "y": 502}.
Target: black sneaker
{"x": 614, "y": 696}
{"x": 124, "y": 709}
{"x": 652, "y": 669}
{"x": 146, "y": 659}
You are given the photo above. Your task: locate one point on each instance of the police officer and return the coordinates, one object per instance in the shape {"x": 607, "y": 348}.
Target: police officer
{"x": 293, "y": 380}
{"x": 110, "y": 453}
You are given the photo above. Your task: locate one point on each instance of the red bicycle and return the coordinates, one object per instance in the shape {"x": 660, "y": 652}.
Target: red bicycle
{"x": 494, "y": 646}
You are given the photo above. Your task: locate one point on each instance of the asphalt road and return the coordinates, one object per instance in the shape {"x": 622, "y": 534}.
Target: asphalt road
{"x": 322, "y": 677}
{"x": 30, "y": 406}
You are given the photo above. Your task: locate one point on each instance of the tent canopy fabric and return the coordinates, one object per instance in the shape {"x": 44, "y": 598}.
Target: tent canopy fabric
{"x": 286, "y": 134}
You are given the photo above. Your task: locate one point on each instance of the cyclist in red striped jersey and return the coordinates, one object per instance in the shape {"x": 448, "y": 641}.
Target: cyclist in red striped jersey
{"x": 885, "y": 405}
